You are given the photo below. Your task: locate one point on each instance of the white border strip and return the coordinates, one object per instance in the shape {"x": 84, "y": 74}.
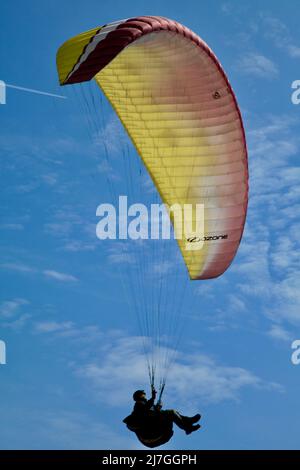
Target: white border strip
{"x": 94, "y": 43}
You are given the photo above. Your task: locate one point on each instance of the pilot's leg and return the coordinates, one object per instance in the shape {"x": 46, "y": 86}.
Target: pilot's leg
{"x": 183, "y": 422}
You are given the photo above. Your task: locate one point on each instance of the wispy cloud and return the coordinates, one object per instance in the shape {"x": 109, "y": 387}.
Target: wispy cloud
{"x": 226, "y": 7}
{"x": 18, "y": 323}
{"x": 120, "y": 361}
{"x": 50, "y": 179}
{"x": 236, "y": 304}
{"x": 294, "y": 51}
{"x": 257, "y": 65}
{"x": 121, "y": 253}
{"x": 279, "y": 333}
{"x": 60, "y": 428}
{"x": 53, "y": 327}
{"x": 88, "y": 334}
{"x": 48, "y": 273}
{"x": 163, "y": 267}
{"x": 107, "y": 169}
{"x": 112, "y": 136}
{"x": 11, "y": 315}
{"x": 276, "y": 30}
{"x": 148, "y": 185}
{"x": 22, "y": 268}
{"x": 77, "y": 245}
{"x": 260, "y": 29}
{"x": 9, "y": 308}
{"x": 58, "y": 229}
{"x": 58, "y": 276}
{"x": 16, "y": 227}
{"x": 70, "y": 430}
{"x": 123, "y": 363}
{"x": 268, "y": 266}
{"x": 72, "y": 230}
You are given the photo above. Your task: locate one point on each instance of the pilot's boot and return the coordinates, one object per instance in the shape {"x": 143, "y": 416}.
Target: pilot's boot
{"x": 192, "y": 429}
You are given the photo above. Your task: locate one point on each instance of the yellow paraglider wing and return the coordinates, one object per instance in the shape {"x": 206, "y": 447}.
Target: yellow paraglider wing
{"x": 178, "y": 107}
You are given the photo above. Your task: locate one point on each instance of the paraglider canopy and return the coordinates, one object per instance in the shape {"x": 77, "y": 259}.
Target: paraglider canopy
{"x": 177, "y": 105}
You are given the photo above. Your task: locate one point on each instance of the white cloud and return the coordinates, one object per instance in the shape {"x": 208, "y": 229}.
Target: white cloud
{"x": 17, "y": 324}
{"x": 11, "y": 226}
{"x": 53, "y": 327}
{"x": 63, "y": 277}
{"x": 276, "y": 31}
{"x": 277, "y": 332}
{"x": 226, "y": 8}
{"x": 50, "y": 179}
{"x": 163, "y": 267}
{"x": 77, "y": 245}
{"x": 70, "y": 430}
{"x": 284, "y": 255}
{"x": 75, "y": 232}
{"x": 112, "y": 137}
{"x": 88, "y": 335}
{"x": 149, "y": 186}
{"x": 121, "y": 253}
{"x": 17, "y": 267}
{"x": 26, "y": 188}
{"x": 121, "y": 369}
{"x": 212, "y": 382}
{"x": 278, "y": 293}
{"x": 257, "y": 65}
{"x": 205, "y": 289}
{"x": 106, "y": 168}
{"x": 294, "y": 51}
{"x": 10, "y": 308}
{"x": 262, "y": 26}
{"x": 236, "y": 304}
{"x": 268, "y": 261}
{"x": 59, "y": 229}
{"x": 48, "y": 273}
{"x": 62, "y": 429}
{"x": 11, "y": 315}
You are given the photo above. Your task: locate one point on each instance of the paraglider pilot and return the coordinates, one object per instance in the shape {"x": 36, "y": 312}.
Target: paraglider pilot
{"x": 154, "y": 426}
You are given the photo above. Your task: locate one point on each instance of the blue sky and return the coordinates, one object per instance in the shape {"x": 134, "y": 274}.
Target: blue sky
{"x": 73, "y": 352}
